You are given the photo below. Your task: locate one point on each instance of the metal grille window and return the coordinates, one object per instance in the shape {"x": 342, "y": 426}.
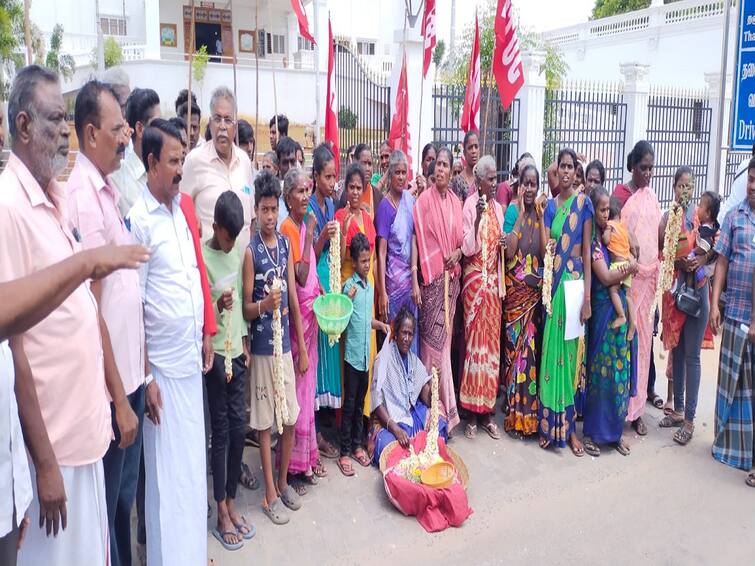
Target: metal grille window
{"x": 304, "y": 44}
{"x": 113, "y": 25}
{"x": 276, "y": 44}
{"x": 365, "y": 47}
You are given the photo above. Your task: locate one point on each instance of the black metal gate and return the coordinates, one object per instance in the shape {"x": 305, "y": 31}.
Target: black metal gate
{"x": 679, "y": 129}
{"x": 499, "y": 131}
{"x": 363, "y": 102}
{"x": 592, "y": 122}
{"x": 733, "y": 161}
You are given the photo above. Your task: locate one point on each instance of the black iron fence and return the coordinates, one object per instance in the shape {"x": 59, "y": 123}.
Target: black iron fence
{"x": 679, "y": 129}
{"x": 364, "y": 102}
{"x": 499, "y": 128}
{"x": 592, "y": 121}
{"x": 733, "y": 161}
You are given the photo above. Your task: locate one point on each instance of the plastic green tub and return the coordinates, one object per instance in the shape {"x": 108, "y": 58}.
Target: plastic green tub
{"x": 333, "y": 312}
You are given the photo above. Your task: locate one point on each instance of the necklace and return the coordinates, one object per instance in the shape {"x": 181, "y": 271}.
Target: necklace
{"x": 275, "y": 263}
{"x": 393, "y": 202}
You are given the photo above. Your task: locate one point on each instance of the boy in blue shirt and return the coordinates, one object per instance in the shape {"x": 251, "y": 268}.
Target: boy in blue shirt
{"x": 357, "y": 355}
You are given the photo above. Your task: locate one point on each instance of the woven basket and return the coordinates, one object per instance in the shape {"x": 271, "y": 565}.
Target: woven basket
{"x": 461, "y": 468}
{"x": 333, "y": 312}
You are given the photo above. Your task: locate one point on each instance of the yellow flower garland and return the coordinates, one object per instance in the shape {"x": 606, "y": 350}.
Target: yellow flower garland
{"x": 334, "y": 263}
{"x": 228, "y": 344}
{"x": 670, "y": 243}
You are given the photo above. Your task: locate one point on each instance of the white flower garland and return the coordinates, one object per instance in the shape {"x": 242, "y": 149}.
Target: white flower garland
{"x": 548, "y": 277}
{"x": 279, "y": 389}
{"x": 334, "y": 262}
{"x": 484, "y": 241}
{"x": 228, "y": 344}
{"x": 670, "y": 244}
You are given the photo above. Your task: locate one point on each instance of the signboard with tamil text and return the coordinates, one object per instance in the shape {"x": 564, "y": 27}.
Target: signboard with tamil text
{"x": 743, "y": 119}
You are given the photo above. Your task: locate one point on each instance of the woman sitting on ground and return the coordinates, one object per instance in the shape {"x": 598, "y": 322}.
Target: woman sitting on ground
{"x": 400, "y": 391}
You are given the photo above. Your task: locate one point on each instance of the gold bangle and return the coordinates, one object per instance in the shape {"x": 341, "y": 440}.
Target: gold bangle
{"x": 414, "y": 269}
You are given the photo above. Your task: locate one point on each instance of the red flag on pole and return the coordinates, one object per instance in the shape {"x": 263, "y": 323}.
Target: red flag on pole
{"x": 398, "y": 138}
{"x": 470, "y": 118}
{"x": 331, "y": 108}
{"x": 428, "y": 33}
{"x": 301, "y": 15}
{"x": 507, "y": 58}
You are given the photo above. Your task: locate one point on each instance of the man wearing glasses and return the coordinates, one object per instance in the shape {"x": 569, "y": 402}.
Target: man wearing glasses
{"x": 220, "y": 166}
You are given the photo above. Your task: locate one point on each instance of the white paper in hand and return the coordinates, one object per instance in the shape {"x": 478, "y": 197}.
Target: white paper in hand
{"x": 574, "y": 296}
{"x": 225, "y": 282}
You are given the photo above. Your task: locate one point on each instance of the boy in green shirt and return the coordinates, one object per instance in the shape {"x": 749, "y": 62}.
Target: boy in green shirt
{"x": 226, "y": 380}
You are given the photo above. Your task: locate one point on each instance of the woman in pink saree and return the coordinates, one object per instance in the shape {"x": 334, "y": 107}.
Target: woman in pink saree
{"x": 438, "y": 230}
{"x": 642, "y": 214}
{"x": 300, "y": 233}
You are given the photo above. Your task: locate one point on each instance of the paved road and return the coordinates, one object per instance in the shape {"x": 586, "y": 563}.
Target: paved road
{"x": 663, "y": 504}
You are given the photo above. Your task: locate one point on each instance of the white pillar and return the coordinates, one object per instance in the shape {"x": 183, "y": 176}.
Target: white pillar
{"x": 152, "y": 30}
{"x": 713, "y": 85}
{"x": 532, "y": 106}
{"x": 636, "y": 93}
{"x": 414, "y": 60}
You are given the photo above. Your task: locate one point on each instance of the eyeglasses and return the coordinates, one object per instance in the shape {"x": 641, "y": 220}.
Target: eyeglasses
{"x": 220, "y": 120}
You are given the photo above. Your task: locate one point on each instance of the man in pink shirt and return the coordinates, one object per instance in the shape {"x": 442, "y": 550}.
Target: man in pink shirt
{"x": 64, "y": 365}
{"x": 93, "y": 205}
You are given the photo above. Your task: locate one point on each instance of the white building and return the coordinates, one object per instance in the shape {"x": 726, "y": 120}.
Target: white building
{"x": 155, "y": 36}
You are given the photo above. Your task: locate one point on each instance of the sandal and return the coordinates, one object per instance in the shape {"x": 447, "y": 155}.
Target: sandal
{"x": 275, "y": 511}
{"x": 344, "y": 464}
{"x": 515, "y": 434}
{"x": 544, "y": 443}
{"x": 310, "y": 478}
{"x": 327, "y": 450}
{"x": 579, "y": 450}
{"x": 639, "y": 426}
{"x": 492, "y": 429}
{"x": 298, "y": 485}
{"x": 361, "y": 457}
{"x": 656, "y": 400}
{"x": 590, "y": 447}
{"x": 684, "y": 434}
{"x": 750, "y": 479}
{"x": 250, "y": 529}
{"x": 320, "y": 470}
{"x": 247, "y": 479}
{"x": 470, "y": 431}
{"x": 668, "y": 408}
{"x": 671, "y": 420}
{"x": 622, "y": 447}
{"x": 290, "y": 498}
{"x": 221, "y": 539}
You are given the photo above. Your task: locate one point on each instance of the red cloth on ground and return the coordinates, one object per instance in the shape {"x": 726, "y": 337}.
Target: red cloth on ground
{"x": 210, "y": 324}
{"x": 435, "y": 509}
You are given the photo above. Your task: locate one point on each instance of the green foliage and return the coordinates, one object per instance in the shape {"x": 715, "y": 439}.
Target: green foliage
{"x": 199, "y": 64}
{"x": 555, "y": 66}
{"x": 112, "y": 51}
{"x": 439, "y": 52}
{"x": 605, "y": 8}
{"x": 62, "y": 63}
{"x": 346, "y": 118}
{"x": 11, "y": 40}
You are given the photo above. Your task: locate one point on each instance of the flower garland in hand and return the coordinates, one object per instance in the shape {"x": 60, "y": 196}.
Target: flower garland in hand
{"x": 550, "y": 253}
{"x": 334, "y": 263}
{"x": 279, "y": 389}
{"x": 484, "y": 240}
{"x": 228, "y": 344}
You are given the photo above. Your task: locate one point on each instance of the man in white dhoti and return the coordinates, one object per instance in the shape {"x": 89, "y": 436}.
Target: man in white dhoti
{"x": 64, "y": 365}
{"x": 174, "y": 456}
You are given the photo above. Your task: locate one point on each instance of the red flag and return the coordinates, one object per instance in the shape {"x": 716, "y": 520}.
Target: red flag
{"x": 301, "y": 15}
{"x": 507, "y": 58}
{"x": 398, "y": 138}
{"x": 428, "y": 33}
{"x": 331, "y": 108}
{"x": 470, "y": 118}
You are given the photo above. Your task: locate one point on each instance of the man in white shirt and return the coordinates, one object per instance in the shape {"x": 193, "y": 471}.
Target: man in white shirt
{"x": 35, "y": 297}
{"x": 220, "y": 166}
{"x": 130, "y": 180}
{"x": 174, "y": 452}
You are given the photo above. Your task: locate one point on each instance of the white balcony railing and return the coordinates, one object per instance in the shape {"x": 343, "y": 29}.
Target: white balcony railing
{"x": 654, "y": 17}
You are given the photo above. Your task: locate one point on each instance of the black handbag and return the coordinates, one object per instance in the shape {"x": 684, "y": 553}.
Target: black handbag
{"x": 687, "y": 299}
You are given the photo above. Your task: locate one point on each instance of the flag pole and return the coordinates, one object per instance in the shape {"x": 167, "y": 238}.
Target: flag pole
{"x": 272, "y": 66}
{"x": 256, "y": 72}
{"x": 233, "y": 62}
{"x": 421, "y": 91}
{"x": 487, "y": 107}
{"x": 191, "y": 63}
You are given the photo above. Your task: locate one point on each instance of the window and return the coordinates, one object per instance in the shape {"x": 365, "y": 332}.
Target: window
{"x": 697, "y": 118}
{"x": 276, "y": 44}
{"x": 365, "y": 47}
{"x": 305, "y": 45}
{"x": 113, "y": 25}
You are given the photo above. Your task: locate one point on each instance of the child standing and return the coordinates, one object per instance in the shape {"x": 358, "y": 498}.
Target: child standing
{"x": 357, "y": 355}
{"x": 225, "y": 389}
{"x": 616, "y": 238}
{"x": 266, "y": 260}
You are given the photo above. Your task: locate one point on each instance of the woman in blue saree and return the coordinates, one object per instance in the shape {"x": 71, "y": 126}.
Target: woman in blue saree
{"x": 322, "y": 206}
{"x": 568, "y": 221}
{"x": 611, "y": 359}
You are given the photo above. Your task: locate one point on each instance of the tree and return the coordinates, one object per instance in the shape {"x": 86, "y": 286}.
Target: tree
{"x": 61, "y": 63}
{"x": 605, "y": 8}
{"x": 199, "y": 66}
{"x": 439, "y": 52}
{"x": 11, "y": 34}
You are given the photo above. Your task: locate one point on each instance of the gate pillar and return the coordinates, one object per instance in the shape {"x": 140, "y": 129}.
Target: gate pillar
{"x": 532, "y": 106}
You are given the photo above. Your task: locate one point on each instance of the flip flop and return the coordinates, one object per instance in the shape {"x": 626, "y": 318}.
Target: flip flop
{"x": 578, "y": 452}
{"x": 320, "y": 470}
{"x": 250, "y": 529}
{"x": 290, "y": 498}
{"x": 275, "y": 511}
{"x": 360, "y": 456}
{"x": 492, "y": 429}
{"x": 327, "y": 450}
{"x": 470, "y": 431}
{"x": 750, "y": 481}
{"x": 247, "y": 479}
{"x": 656, "y": 401}
{"x": 298, "y": 485}
{"x": 590, "y": 447}
{"x": 344, "y": 464}
{"x": 683, "y": 435}
{"x": 622, "y": 448}
{"x": 310, "y": 479}
{"x": 639, "y": 426}
{"x": 227, "y": 545}
{"x": 671, "y": 420}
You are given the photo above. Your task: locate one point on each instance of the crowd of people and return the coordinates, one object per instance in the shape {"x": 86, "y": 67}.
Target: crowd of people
{"x": 174, "y": 277}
